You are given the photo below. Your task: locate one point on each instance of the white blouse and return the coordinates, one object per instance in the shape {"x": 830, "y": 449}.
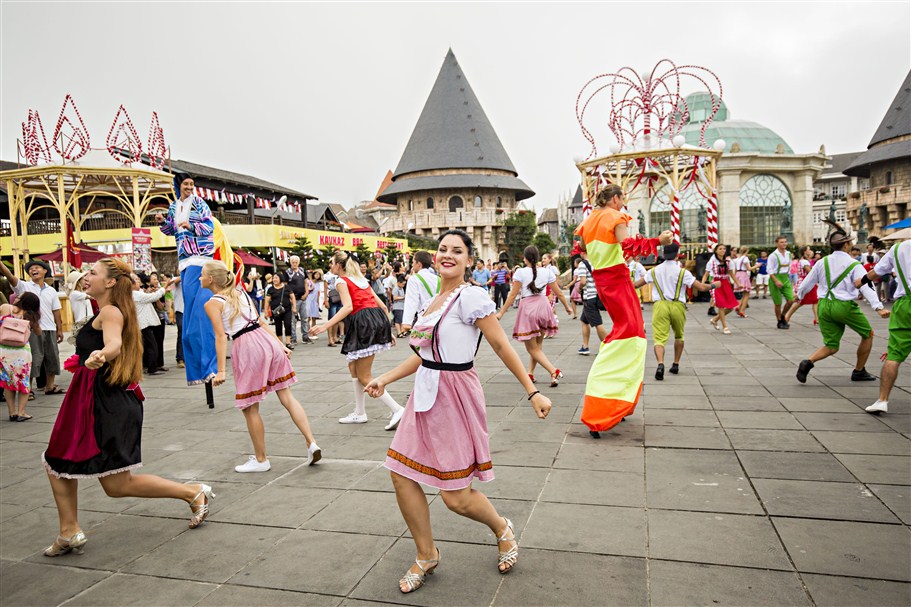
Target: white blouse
{"x": 246, "y": 316}
{"x": 458, "y": 338}
{"x": 80, "y": 304}
{"x": 524, "y": 277}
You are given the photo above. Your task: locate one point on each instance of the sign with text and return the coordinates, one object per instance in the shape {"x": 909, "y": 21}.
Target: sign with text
{"x": 142, "y": 249}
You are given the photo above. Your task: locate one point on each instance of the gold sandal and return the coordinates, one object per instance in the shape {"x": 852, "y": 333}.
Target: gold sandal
{"x": 511, "y": 556}
{"x": 62, "y": 545}
{"x": 201, "y": 512}
{"x": 416, "y": 580}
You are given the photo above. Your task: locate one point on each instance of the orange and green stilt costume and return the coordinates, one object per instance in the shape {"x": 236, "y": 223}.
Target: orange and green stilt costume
{"x": 615, "y": 379}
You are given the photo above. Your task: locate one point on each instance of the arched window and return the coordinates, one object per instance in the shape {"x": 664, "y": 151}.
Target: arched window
{"x": 455, "y": 202}
{"x": 430, "y": 203}
{"x": 410, "y": 205}
{"x": 499, "y": 202}
{"x": 478, "y": 202}
{"x": 763, "y": 201}
{"x": 693, "y": 221}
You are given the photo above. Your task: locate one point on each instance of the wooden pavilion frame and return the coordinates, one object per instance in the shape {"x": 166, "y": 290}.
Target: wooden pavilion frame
{"x": 63, "y": 187}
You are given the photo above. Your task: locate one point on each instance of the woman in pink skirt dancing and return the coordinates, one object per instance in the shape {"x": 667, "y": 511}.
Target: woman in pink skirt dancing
{"x": 535, "y": 319}
{"x": 742, "y": 269}
{"x": 442, "y": 440}
{"x": 259, "y": 362}
{"x": 804, "y": 265}
{"x": 721, "y": 270}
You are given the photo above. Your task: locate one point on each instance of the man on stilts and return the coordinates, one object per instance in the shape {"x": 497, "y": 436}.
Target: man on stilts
{"x": 898, "y": 259}
{"x": 835, "y": 278}
{"x": 190, "y": 221}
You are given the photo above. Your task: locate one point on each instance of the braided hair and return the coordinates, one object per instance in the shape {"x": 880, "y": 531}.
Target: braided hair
{"x": 532, "y": 255}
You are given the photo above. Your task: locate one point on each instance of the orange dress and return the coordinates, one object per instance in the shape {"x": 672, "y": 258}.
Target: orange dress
{"x": 615, "y": 379}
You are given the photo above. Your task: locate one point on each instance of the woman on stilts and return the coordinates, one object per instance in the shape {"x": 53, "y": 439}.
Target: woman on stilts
{"x": 99, "y": 427}
{"x": 367, "y": 332}
{"x": 259, "y": 362}
{"x": 442, "y": 441}
{"x": 721, "y": 270}
{"x": 535, "y": 319}
{"x": 615, "y": 379}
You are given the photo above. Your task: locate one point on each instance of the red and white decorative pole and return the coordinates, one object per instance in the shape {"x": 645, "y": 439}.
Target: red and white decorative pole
{"x": 675, "y": 216}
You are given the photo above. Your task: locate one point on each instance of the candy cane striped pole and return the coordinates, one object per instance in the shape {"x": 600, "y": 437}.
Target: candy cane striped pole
{"x": 712, "y": 218}
{"x": 675, "y": 216}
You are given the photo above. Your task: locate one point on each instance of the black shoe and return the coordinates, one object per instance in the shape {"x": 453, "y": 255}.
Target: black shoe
{"x": 803, "y": 369}
{"x": 595, "y": 434}
{"x": 862, "y": 375}
{"x": 785, "y": 324}
{"x": 155, "y": 372}
{"x": 659, "y": 372}
{"x": 675, "y": 368}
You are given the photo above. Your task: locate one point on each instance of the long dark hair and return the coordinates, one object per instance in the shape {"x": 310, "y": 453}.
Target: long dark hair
{"x": 532, "y": 256}
{"x": 31, "y": 310}
{"x": 466, "y": 240}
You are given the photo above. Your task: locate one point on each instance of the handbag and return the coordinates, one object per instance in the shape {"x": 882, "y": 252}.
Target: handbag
{"x": 279, "y": 310}
{"x": 14, "y": 332}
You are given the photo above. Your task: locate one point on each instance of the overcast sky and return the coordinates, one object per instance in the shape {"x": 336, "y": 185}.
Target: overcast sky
{"x": 322, "y": 98}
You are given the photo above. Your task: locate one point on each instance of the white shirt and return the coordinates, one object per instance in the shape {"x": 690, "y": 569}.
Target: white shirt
{"x": 246, "y": 316}
{"x": 182, "y": 212}
{"x": 779, "y": 263}
{"x": 50, "y": 301}
{"x": 146, "y": 315}
{"x": 178, "y": 298}
{"x": 416, "y": 295}
{"x": 742, "y": 264}
{"x": 589, "y": 291}
{"x": 665, "y": 277}
{"x": 845, "y": 290}
{"x": 887, "y": 265}
{"x": 636, "y": 270}
{"x": 523, "y": 276}
{"x": 389, "y": 282}
{"x": 80, "y": 304}
{"x": 458, "y": 338}
{"x": 717, "y": 268}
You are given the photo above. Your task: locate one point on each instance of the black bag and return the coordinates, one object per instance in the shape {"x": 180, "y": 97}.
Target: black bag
{"x": 279, "y": 310}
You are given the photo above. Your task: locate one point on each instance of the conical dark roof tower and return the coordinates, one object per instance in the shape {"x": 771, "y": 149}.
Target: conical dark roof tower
{"x": 453, "y": 132}
{"x": 890, "y": 141}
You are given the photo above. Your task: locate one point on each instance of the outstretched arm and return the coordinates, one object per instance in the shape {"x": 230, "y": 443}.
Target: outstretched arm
{"x": 213, "y": 309}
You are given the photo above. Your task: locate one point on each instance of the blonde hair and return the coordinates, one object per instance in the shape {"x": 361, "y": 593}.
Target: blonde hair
{"x": 350, "y": 264}
{"x": 126, "y": 369}
{"x": 223, "y": 280}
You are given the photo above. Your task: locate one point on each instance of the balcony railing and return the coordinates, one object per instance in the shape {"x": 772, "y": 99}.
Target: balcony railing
{"x": 466, "y": 218}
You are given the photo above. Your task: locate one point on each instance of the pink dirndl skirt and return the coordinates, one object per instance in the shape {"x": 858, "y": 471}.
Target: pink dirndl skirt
{"x": 743, "y": 281}
{"x": 535, "y": 317}
{"x": 724, "y": 297}
{"x": 448, "y": 446}
{"x": 259, "y": 366}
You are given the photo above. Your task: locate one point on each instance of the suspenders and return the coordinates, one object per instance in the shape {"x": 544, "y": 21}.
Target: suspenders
{"x": 658, "y": 287}
{"x": 831, "y": 285}
{"x": 427, "y": 286}
{"x": 901, "y": 273}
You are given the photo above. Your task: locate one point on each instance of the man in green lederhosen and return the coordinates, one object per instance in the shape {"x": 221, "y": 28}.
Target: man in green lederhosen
{"x": 780, "y": 287}
{"x": 898, "y": 259}
{"x": 834, "y": 277}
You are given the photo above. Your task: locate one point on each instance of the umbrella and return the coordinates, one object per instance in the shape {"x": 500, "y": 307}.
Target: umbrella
{"x": 904, "y": 223}
{"x": 903, "y": 234}
{"x": 250, "y": 259}
{"x": 88, "y": 254}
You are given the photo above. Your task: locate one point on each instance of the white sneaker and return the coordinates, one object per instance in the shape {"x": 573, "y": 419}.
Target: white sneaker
{"x": 353, "y": 418}
{"x": 252, "y": 465}
{"x": 314, "y": 453}
{"x": 396, "y": 418}
{"x": 880, "y": 406}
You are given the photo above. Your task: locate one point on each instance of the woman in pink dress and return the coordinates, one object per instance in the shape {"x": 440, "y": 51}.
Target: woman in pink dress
{"x": 442, "y": 440}
{"x": 742, "y": 269}
{"x": 259, "y": 362}
{"x": 805, "y": 264}
{"x": 721, "y": 269}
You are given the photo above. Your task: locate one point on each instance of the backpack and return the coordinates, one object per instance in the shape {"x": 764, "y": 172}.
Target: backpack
{"x": 14, "y": 332}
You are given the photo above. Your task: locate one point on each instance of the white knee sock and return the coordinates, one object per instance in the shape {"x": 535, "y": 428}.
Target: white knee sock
{"x": 390, "y": 402}
{"x": 359, "y": 396}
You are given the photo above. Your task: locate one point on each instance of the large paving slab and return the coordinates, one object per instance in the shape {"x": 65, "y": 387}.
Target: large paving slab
{"x": 731, "y": 484}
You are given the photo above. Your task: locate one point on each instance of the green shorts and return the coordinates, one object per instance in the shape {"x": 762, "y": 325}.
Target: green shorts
{"x": 835, "y": 315}
{"x": 787, "y": 290}
{"x": 667, "y": 315}
{"x": 900, "y": 330}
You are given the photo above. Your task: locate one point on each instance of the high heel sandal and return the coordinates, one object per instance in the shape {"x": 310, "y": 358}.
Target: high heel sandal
{"x": 62, "y": 545}
{"x": 714, "y": 322}
{"x": 555, "y": 378}
{"x": 202, "y": 511}
{"x": 416, "y": 580}
{"x": 511, "y": 556}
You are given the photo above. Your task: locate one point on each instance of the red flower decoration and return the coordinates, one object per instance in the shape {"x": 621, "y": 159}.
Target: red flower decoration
{"x": 71, "y": 363}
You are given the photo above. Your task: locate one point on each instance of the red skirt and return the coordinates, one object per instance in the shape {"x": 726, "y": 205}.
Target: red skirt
{"x": 810, "y": 298}
{"x": 724, "y": 296}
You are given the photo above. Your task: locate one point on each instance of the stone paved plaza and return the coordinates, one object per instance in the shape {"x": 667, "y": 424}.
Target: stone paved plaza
{"x": 731, "y": 485}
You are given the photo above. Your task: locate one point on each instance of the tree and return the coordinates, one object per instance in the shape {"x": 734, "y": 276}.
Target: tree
{"x": 544, "y": 242}
{"x": 364, "y": 253}
{"x": 520, "y": 230}
{"x": 391, "y": 252}
{"x": 304, "y": 249}
{"x": 324, "y": 256}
